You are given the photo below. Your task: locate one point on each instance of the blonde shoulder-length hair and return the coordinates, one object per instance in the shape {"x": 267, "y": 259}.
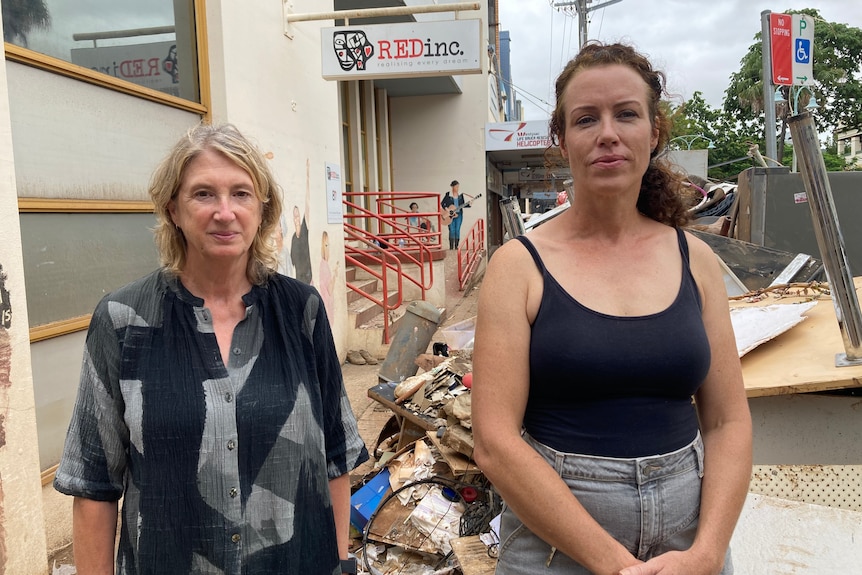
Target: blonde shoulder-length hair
{"x": 168, "y": 176}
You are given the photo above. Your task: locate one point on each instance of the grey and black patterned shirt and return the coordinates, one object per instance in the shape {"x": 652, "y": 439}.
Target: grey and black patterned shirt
{"x": 223, "y": 470}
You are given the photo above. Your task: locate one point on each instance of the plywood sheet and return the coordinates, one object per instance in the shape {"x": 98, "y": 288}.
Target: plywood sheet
{"x": 803, "y": 358}
{"x": 473, "y": 556}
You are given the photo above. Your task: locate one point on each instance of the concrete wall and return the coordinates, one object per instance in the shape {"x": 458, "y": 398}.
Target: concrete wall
{"x": 22, "y": 534}
{"x": 270, "y": 86}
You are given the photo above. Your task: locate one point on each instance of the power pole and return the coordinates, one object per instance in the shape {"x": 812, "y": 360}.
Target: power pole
{"x": 580, "y": 7}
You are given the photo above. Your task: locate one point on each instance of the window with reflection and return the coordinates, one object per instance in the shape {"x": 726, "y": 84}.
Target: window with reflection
{"x": 151, "y": 43}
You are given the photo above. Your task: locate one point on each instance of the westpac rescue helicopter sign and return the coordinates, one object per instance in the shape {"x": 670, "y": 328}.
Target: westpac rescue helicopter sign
{"x": 439, "y": 48}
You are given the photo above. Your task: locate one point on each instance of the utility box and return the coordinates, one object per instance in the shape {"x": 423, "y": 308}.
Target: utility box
{"x": 774, "y": 212}
{"x": 412, "y": 338}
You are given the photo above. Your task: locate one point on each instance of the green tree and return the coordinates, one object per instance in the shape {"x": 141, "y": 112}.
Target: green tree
{"x": 833, "y": 161}
{"x": 20, "y": 17}
{"x": 837, "y": 80}
{"x": 698, "y": 124}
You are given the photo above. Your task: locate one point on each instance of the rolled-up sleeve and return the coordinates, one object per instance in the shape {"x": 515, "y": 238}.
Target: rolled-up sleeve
{"x": 345, "y": 449}
{"x": 93, "y": 463}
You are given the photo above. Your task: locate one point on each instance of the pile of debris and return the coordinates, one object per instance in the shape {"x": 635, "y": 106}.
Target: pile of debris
{"x": 426, "y": 508}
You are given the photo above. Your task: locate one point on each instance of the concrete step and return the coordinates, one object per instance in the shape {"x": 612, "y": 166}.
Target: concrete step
{"x": 370, "y": 334}
{"x": 363, "y": 310}
{"x": 367, "y": 285}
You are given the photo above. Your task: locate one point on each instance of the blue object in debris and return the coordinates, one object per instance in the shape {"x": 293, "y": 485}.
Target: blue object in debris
{"x": 367, "y": 499}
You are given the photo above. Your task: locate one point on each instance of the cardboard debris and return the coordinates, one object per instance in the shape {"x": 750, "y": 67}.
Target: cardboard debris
{"x": 424, "y": 518}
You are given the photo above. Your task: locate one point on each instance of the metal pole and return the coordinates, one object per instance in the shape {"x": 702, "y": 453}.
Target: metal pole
{"x": 110, "y": 34}
{"x": 582, "y": 23}
{"x": 768, "y": 89}
{"x": 382, "y": 12}
{"x": 829, "y": 237}
{"x": 582, "y": 10}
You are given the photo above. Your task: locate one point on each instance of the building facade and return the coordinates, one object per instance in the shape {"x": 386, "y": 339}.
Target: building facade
{"x": 92, "y": 96}
{"x": 849, "y": 144}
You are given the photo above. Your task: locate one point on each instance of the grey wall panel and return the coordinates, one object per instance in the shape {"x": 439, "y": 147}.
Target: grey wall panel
{"x": 786, "y": 215}
{"x": 72, "y": 260}
{"x": 81, "y": 141}
{"x": 56, "y": 371}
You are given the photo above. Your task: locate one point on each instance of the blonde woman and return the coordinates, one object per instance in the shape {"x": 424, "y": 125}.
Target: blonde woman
{"x": 211, "y": 399}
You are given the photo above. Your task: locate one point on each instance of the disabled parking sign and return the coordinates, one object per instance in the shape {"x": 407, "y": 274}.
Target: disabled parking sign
{"x": 803, "y": 50}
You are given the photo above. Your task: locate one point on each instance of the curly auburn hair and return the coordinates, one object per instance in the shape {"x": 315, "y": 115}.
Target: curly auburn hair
{"x": 662, "y": 196}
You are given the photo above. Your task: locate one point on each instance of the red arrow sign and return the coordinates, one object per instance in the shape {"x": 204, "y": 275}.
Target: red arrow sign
{"x": 781, "y": 48}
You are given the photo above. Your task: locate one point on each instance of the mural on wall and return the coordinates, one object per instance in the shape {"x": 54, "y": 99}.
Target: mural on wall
{"x": 326, "y": 278}
{"x": 5, "y": 383}
{"x": 299, "y": 252}
{"x": 285, "y": 266}
{"x": 295, "y": 260}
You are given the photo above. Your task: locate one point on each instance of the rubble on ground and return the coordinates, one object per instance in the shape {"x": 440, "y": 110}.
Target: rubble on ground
{"x": 425, "y": 506}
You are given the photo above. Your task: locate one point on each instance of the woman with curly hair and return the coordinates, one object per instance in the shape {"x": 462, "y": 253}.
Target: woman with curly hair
{"x": 606, "y": 370}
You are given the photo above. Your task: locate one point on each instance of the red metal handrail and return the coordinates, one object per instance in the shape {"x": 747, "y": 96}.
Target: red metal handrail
{"x": 386, "y": 239}
{"x": 380, "y": 260}
{"x": 398, "y": 236}
{"x": 470, "y": 252}
{"x": 387, "y": 210}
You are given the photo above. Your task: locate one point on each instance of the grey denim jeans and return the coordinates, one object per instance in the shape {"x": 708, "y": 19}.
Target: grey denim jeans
{"x": 649, "y": 504}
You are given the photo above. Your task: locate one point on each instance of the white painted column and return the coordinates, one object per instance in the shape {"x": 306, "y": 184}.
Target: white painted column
{"x": 22, "y": 527}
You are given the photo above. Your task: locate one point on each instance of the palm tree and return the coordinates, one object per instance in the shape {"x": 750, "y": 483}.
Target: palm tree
{"x": 21, "y": 16}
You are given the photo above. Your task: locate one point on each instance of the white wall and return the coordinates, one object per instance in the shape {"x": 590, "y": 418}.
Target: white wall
{"x": 437, "y": 139}
{"x": 270, "y": 87}
{"x": 22, "y": 530}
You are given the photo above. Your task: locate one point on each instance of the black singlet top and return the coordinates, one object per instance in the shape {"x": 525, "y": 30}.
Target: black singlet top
{"x": 615, "y": 386}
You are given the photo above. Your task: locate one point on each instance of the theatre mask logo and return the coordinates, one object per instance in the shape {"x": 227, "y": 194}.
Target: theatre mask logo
{"x": 402, "y": 49}
{"x": 353, "y": 49}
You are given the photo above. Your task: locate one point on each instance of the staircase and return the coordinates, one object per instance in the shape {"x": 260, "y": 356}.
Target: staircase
{"x": 391, "y": 260}
{"x": 365, "y": 316}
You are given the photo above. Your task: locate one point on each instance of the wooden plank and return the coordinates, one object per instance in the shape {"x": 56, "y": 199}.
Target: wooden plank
{"x": 473, "y": 556}
{"x": 458, "y": 462}
{"x": 802, "y": 359}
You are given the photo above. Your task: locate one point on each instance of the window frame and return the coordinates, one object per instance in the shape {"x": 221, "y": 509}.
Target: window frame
{"x": 67, "y": 206}
{"x": 54, "y": 65}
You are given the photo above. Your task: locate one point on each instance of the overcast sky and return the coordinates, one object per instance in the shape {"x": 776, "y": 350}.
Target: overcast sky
{"x": 698, "y": 43}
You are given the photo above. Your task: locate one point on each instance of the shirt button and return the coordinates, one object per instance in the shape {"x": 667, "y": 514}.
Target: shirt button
{"x": 233, "y": 492}
{"x": 231, "y": 444}
{"x": 237, "y": 351}
{"x": 228, "y": 397}
{"x": 235, "y": 537}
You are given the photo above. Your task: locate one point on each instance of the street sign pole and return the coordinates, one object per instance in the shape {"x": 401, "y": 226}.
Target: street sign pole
{"x": 768, "y": 88}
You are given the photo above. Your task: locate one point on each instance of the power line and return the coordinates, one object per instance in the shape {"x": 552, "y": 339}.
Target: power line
{"x": 533, "y": 99}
